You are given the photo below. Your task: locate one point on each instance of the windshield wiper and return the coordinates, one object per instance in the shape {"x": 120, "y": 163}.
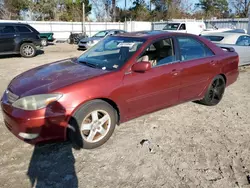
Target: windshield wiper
{"x": 88, "y": 64}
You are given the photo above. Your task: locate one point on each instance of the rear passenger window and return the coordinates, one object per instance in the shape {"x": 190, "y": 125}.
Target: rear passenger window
{"x": 191, "y": 48}
{"x": 7, "y": 29}
{"x": 23, "y": 29}
{"x": 213, "y": 38}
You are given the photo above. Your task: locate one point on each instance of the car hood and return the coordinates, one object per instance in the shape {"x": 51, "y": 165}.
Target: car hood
{"x": 91, "y": 39}
{"x": 50, "y": 77}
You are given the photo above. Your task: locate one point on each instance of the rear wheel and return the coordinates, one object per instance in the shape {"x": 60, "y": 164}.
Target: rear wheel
{"x": 215, "y": 91}
{"x": 28, "y": 50}
{"x": 92, "y": 125}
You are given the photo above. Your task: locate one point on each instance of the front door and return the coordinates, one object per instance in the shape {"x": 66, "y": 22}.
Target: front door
{"x": 7, "y": 38}
{"x": 156, "y": 88}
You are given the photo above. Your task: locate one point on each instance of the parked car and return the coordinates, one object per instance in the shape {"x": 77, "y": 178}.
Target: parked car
{"x": 121, "y": 78}
{"x": 18, "y": 38}
{"x": 239, "y": 41}
{"x": 185, "y": 27}
{"x": 91, "y": 41}
{"x": 75, "y": 38}
{"x": 46, "y": 37}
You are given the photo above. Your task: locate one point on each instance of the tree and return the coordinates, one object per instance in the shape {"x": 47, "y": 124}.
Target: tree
{"x": 241, "y": 7}
{"x": 4, "y": 13}
{"x": 213, "y": 8}
{"x": 73, "y": 10}
{"x": 113, "y": 12}
{"x": 14, "y": 7}
{"x": 140, "y": 11}
{"x": 165, "y": 9}
{"x": 45, "y": 9}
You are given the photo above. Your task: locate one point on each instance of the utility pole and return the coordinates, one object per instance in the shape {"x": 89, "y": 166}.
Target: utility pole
{"x": 83, "y": 18}
{"x": 248, "y": 22}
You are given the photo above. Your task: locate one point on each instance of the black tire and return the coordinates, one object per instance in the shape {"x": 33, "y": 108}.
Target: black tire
{"x": 29, "y": 53}
{"x": 44, "y": 42}
{"x": 74, "y": 133}
{"x": 214, "y": 92}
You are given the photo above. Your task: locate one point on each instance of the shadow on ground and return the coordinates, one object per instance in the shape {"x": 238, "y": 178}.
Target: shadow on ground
{"x": 53, "y": 166}
{"x": 38, "y": 53}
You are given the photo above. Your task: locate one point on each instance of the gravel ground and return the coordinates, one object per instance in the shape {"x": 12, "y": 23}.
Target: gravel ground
{"x": 188, "y": 145}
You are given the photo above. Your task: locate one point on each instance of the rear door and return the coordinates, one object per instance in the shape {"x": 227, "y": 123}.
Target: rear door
{"x": 7, "y": 38}
{"x": 24, "y": 31}
{"x": 198, "y": 65}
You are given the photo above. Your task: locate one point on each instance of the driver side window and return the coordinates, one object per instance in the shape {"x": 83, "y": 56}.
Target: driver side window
{"x": 159, "y": 53}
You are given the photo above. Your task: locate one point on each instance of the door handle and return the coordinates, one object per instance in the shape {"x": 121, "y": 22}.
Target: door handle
{"x": 213, "y": 63}
{"x": 175, "y": 72}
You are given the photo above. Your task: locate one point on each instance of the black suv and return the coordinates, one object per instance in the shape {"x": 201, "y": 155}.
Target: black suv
{"x": 18, "y": 38}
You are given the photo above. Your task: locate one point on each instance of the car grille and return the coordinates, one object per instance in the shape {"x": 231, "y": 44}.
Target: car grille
{"x": 11, "y": 96}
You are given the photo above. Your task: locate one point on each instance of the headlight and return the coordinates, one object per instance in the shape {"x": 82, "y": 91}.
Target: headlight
{"x": 36, "y": 102}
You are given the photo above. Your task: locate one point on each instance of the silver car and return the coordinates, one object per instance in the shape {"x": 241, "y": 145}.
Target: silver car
{"x": 239, "y": 41}
{"x": 91, "y": 41}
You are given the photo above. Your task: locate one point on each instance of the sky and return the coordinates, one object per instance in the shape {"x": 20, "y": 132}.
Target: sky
{"x": 129, "y": 3}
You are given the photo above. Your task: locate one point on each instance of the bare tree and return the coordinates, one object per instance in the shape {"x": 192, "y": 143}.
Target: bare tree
{"x": 241, "y": 7}
{"x": 4, "y": 13}
{"x": 113, "y": 10}
{"x": 105, "y": 10}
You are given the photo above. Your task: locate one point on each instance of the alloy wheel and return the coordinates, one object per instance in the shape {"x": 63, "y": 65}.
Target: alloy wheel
{"x": 28, "y": 50}
{"x": 216, "y": 91}
{"x": 95, "y": 126}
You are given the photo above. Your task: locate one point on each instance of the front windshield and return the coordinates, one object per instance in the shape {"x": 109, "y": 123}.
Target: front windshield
{"x": 111, "y": 53}
{"x": 171, "y": 26}
{"x": 101, "y": 34}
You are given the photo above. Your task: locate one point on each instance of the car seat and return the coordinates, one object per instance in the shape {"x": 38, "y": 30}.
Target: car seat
{"x": 123, "y": 53}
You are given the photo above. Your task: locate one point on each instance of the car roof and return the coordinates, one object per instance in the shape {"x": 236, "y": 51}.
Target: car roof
{"x": 229, "y": 38}
{"x": 145, "y": 34}
{"x": 108, "y": 30}
{"x": 153, "y": 34}
{"x": 12, "y": 23}
{"x": 224, "y": 34}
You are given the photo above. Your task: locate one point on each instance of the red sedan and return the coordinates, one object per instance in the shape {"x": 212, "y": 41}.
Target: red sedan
{"x": 120, "y": 78}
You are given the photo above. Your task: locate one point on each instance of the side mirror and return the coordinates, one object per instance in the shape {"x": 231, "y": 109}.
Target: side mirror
{"x": 142, "y": 66}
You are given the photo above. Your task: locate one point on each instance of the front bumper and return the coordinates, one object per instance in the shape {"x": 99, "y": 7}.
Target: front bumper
{"x": 38, "y": 126}
{"x": 83, "y": 45}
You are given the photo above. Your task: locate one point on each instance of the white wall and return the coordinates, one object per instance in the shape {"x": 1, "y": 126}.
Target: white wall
{"x": 62, "y": 30}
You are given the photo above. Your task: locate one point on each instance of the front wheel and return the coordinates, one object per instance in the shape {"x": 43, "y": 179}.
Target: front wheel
{"x": 215, "y": 91}
{"x": 92, "y": 125}
{"x": 28, "y": 50}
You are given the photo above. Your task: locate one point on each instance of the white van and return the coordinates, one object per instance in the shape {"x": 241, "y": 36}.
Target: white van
{"x": 185, "y": 27}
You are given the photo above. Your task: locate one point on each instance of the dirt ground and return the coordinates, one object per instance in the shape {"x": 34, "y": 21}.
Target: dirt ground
{"x": 188, "y": 145}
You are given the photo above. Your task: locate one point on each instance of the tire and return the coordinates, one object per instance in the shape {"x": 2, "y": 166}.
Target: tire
{"x": 88, "y": 121}
{"x": 28, "y": 50}
{"x": 215, "y": 91}
{"x": 44, "y": 42}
